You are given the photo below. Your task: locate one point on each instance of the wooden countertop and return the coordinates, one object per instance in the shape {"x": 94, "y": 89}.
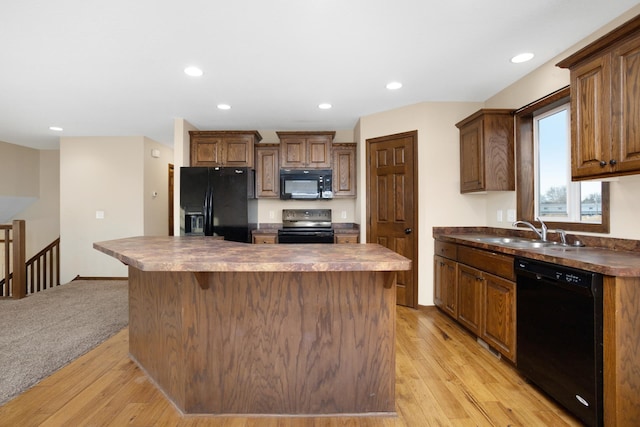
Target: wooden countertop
{"x": 201, "y": 254}
{"x": 603, "y": 260}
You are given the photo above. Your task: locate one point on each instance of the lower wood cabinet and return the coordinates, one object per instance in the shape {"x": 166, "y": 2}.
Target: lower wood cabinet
{"x": 270, "y": 238}
{"x": 482, "y": 301}
{"x": 265, "y": 238}
{"x": 499, "y": 314}
{"x": 346, "y": 238}
{"x": 446, "y": 291}
{"x": 470, "y": 287}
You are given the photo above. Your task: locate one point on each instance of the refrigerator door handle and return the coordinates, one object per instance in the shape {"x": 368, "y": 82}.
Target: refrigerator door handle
{"x": 208, "y": 212}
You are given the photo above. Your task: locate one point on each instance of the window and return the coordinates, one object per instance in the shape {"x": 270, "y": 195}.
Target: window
{"x": 557, "y": 197}
{"x": 543, "y": 159}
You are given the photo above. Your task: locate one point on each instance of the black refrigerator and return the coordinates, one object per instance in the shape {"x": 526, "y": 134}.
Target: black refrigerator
{"x": 218, "y": 201}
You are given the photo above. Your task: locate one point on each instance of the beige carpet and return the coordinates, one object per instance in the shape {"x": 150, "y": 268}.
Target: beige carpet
{"x": 45, "y": 331}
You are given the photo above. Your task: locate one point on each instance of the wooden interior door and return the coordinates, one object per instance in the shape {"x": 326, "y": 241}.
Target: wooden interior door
{"x": 392, "y": 204}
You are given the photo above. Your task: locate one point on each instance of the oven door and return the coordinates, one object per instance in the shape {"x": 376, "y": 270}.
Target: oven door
{"x": 305, "y": 236}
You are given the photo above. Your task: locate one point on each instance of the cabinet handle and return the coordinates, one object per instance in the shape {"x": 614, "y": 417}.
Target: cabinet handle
{"x": 612, "y": 162}
{"x": 603, "y": 163}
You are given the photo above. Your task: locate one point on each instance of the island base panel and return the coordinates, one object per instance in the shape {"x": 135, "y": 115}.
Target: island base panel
{"x": 267, "y": 343}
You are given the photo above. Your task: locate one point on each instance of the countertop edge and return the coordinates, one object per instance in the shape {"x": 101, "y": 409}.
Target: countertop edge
{"x": 367, "y": 257}
{"x": 598, "y": 260}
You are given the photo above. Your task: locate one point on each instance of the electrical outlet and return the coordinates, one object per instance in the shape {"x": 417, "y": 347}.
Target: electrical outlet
{"x": 99, "y": 214}
{"x": 511, "y": 215}
{"x": 343, "y": 215}
{"x": 272, "y": 214}
{"x": 499, "y": 215}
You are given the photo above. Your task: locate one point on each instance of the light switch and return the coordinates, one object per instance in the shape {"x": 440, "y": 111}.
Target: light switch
{"x": 99, "y": 214}
{"x": 499, "y": 215}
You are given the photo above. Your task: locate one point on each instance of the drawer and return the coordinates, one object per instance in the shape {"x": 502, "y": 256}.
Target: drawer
{"x": 446, "y": 250}
{"x": 264, "y": 238}
{"x": 346, "y": 238}
{"x": 498, "y": 264}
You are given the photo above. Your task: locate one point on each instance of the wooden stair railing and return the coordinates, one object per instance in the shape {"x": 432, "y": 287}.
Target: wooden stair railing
{"x": 40, "y": 272}
{"x": 14, "y": 283}
{"x": 43, "y": 269}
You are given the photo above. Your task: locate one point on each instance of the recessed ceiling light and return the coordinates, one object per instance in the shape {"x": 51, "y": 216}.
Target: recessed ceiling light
{"x": 193, "y": 71}
{"x": 523, "y": 57}
{"x": 394, "y": 85}
{"x": 324, "y": 106}
{"x": 56, "y": 128}
{"x": 224, "y": 107}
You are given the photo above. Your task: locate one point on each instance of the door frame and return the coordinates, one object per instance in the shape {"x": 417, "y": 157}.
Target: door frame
{"x": 414, "y": 262}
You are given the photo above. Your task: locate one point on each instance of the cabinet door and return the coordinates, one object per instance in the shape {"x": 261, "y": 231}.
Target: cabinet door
{"x": 470, "y": 290}
{"x": 238, "y": 151}
{"x": 438, "y": 284}
{"x": 267, "y": 172}
{"x": 207, "y": 151}
{"x": 265, "y": 239}
{"x": 346, "y": 238}
{"x": 472, "y": 157}
{"x": 499, "y": 313}
{"x": 319, "y": 152}
{"x": 625, "y": 93}
{"x": 590, "y": 118}
{"x": 293, "y": 153}
{"x": 445, "y": 285}
{"x": 344, "y": 170}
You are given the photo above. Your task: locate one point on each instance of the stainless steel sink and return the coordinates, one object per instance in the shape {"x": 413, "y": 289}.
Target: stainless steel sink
{"x": 516, "y": 242}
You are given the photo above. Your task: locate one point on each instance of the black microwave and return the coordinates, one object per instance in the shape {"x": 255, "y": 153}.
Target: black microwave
{"x": 305, "y": 184}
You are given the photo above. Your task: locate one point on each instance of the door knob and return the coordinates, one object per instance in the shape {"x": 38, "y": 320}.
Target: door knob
{"x": 407, "y": 231}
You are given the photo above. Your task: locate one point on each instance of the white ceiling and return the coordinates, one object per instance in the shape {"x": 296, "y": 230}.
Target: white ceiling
{"x": 115, "y": 67}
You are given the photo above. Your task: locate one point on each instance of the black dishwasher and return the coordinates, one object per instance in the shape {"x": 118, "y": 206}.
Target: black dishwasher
{"x": 559, "y": 335}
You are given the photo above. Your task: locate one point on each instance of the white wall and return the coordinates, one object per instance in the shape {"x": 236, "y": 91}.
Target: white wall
{"x": 269, "y": 210}
{"x": 98, "y": 174}
{"x": 625, "y": 192}
{"x": 19, "y": 179}
{"x": 30, "y": 188}
{"x": 439, "y": 200}
{"x": 181, "y": 157}
{"x": 156, "y": 188}
{"x": 42, "y": 218}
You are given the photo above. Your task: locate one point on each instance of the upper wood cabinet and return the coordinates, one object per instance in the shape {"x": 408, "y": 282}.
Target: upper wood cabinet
{"x": 223, "y": 148}
{"x": 305, "y": 149}
{"x": 486, "y": 151}
{"x": 344, "y": 170}
{"x": 268, "y": 170}
{"x": 605, "y": 105}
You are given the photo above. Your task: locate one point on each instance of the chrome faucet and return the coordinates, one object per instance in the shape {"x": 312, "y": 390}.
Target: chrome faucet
{"x": 563, "y": 236}
{"x": 542, "y": 233}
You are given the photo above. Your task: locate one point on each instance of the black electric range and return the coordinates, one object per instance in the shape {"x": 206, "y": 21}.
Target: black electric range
{"x": 306, "y": 226}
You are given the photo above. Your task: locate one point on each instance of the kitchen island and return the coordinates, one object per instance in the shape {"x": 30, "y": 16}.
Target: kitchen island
{"x": 233, "y": 328}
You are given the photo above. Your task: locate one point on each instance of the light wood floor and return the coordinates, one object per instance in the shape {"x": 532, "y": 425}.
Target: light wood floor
{"x": 443, "y": 378}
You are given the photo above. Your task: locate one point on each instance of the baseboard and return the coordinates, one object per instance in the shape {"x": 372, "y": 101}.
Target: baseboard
{"x": 426, "y": 307}
{"x": 98, "y": 278}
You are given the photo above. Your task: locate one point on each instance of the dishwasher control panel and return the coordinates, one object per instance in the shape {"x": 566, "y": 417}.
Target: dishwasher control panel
{"x": 558, "y": 273}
